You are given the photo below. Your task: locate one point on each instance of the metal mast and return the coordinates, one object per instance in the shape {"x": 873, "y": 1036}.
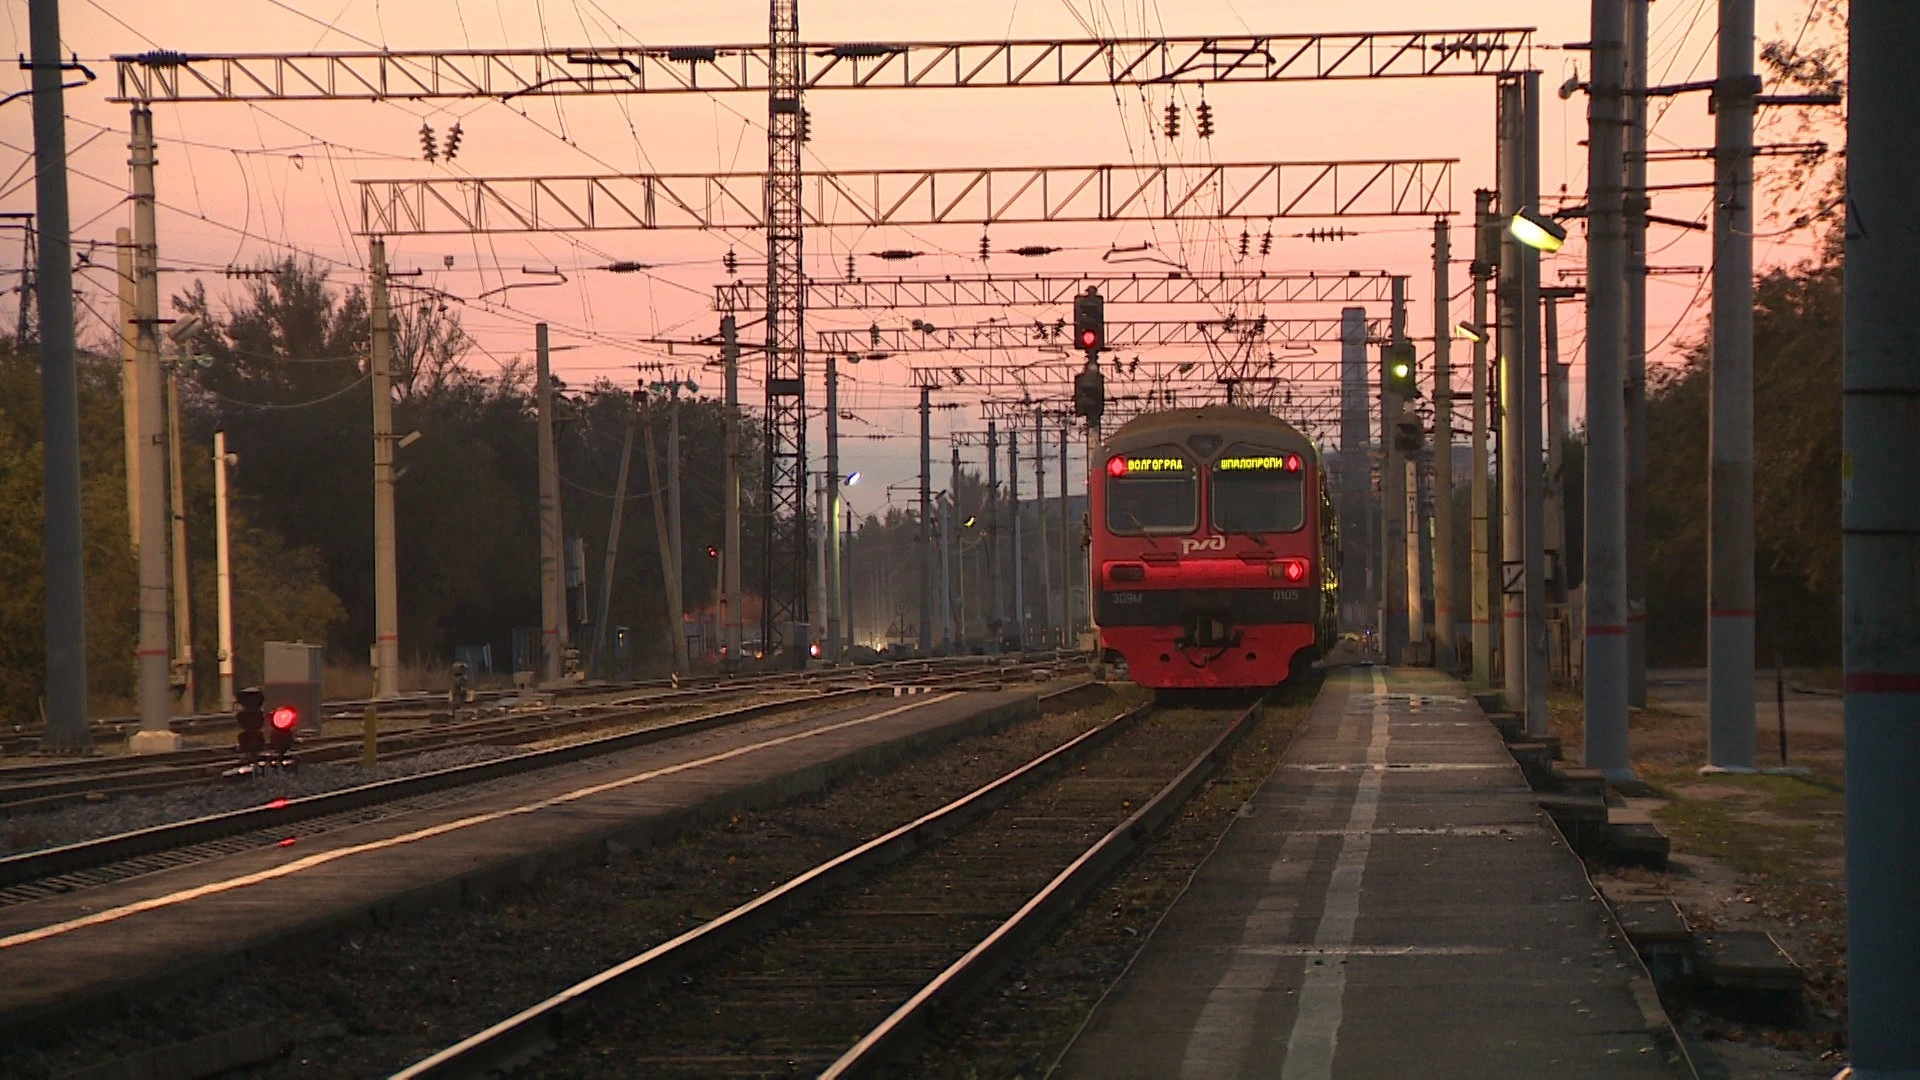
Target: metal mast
{"x": 784, "y": 560}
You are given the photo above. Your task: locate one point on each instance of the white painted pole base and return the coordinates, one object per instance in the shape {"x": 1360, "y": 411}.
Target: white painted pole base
{"x": 153, "y": 742}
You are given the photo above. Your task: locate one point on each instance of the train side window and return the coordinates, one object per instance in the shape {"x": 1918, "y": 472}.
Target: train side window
{"x": 1152, "y": 491}
{"x": 1259, "y": 490}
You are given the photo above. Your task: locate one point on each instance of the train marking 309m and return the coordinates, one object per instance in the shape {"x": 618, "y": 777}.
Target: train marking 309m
{"x": 1215, "y": 555}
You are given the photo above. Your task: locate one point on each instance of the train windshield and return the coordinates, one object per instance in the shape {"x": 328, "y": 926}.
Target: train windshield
{"x": 1257, "y": 490}
{"x": 1152, "y": 491}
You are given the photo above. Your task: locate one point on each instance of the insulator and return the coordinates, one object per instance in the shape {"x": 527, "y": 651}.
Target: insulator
{"x": 1172, "y": 126}
{"x": 731, "y": 262}
{"x": 1032, "y": 250}
{"x": 873, "y": 335}
{"x": 896, "y": 254}
{"x": 806, "y": 126}
{"x": 453, "y": 140}
{"x": 1266, "y": 242}
{"x": 986, "y": 249}
{"x": 849, "y": 265}
{"x": 1203, "y": 117}
{"x": 1245, "y": 239}
{"x": 427, "y": 148}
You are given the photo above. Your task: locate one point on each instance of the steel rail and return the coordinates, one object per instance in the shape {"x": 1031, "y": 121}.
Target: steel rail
{"x": 900, "y": 1033}
{"x": 48, "y": 862}
{"x": 534, "y": 1029}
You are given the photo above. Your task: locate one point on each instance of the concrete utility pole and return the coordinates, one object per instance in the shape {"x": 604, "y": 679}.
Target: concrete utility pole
{"x": 154, "y": 736}
{"x": 1066, "y": 540}
{"x": 674, "y": 521}
{"x": 1636, "y": 220}
{"x": 386, "y": 579}
{"x": 1512, "y": 349}
{"x": 675, "y": 631}
{"x": 1040, "y": 519}
{"x": 958, "y": 560}
{"x": 223, "y": 568}
{"x": 1019, "y": 559}
{"x": 182, "y": 674}
{"x": 730, "y": 558}
{"x": 1556, "y": 497}
{"x": 1880, "y": 522}
{"x": 996, "y": 610}
{"x": 1730, "y": 429}
{"x": 1359, "y": 553}
{"x": 1534, "y": 476}
{"x": 129, "y": 378}
{"x": 831, "y": 522}
{"x": 1445, "y": 654}
{"x": 1394, "y": 630}
{"x": 845, "y": 570}
{"x": 1486, "y": 254}
{"x": 1604, "y": 673}
{"x": 599, "y": 661}
{"x": 66, "y": 591}
{"x": 926, "y": 521}
{"x": 552, "y": 612}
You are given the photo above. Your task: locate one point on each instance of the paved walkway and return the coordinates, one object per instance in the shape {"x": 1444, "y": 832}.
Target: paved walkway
{"x": 1391, "y": 903}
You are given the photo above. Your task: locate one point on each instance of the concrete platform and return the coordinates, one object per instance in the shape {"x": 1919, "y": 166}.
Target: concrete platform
{"x": 67, "y": 958}
{"x": 1391, "y": 903}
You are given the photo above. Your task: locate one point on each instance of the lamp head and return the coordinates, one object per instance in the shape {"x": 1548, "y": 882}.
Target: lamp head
{"x": 1539, "y": 233}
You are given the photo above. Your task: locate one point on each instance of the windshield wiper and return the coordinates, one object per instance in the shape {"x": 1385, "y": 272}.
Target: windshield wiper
{"x": 1142, "y": 526}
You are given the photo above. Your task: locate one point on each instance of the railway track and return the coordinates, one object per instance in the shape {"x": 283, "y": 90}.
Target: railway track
{"x": 49, "y": 785}
{"x": 897, "y": 930}
{"x": 37, "y": 874}
{"x": 424, "y": 706}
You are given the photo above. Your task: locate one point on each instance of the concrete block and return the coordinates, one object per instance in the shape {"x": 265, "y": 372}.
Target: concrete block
{"x": 153, "y": 742}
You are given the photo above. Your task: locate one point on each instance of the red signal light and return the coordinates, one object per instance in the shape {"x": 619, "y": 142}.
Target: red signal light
{"x": 1089, "y": 338}
{"x": 1293, "y": 462}
{"x": 713, "y": 552}
{"x": 1116, "y": 466}
{"x": 285, "y": 717}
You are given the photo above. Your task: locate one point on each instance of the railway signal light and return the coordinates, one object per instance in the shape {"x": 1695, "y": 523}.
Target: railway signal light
{"x": 1397, "y": 371}
{"x": 1089, "y": 393}
{"x": 1407, "y": 436}
{"x": 713, "y": 551}
{"x": 252, "y": 720}
{"x": 1090, "y": 321}
{"x": 280, "y": 725}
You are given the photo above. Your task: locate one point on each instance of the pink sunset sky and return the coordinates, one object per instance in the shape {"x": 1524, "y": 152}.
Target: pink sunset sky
{"x": 242, "y": 185}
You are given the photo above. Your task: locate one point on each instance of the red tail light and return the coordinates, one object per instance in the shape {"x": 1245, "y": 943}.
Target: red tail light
{"x": 1293, "y": 462}
{"x": 1290, "y": 570}
{"x": 1127, "y": 572}
{"x": 1116, "y": 466}
{"x": 285, "y": 717}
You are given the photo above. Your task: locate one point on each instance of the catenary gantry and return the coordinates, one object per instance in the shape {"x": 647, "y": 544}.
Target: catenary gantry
{"x": 416, "y": 75}
{"x": 451, "y": 205}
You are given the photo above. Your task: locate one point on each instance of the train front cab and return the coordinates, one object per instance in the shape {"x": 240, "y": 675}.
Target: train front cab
{"x": 1210, "y": 564}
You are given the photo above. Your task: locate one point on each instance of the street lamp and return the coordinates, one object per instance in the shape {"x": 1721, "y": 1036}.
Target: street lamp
{"x": 1541, "y": 234}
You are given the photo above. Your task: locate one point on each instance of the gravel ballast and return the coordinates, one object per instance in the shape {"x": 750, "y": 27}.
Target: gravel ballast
{"x": 382, "y": 998}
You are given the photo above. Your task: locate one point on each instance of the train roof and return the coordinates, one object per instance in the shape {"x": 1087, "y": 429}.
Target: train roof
{"x": 1228, "y": 421}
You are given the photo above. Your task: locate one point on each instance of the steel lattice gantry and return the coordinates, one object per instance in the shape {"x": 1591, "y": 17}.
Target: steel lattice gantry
{"x": 450, "y": 205}
{"x": 784, "y": 495}
{"x": 508, "y": 73}
{"x": 1234, "y": 289}
{"x": 1141, "y": 334}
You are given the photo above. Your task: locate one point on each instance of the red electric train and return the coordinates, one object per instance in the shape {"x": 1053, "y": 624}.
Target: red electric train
{"x": 1214, "y": 549}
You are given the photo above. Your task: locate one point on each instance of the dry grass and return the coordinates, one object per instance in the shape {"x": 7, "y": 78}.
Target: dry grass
{"x": 1752, "y": 852}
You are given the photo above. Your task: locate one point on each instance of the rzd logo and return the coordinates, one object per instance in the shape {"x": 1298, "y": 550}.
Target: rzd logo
{"x": 1210, "y": 543}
